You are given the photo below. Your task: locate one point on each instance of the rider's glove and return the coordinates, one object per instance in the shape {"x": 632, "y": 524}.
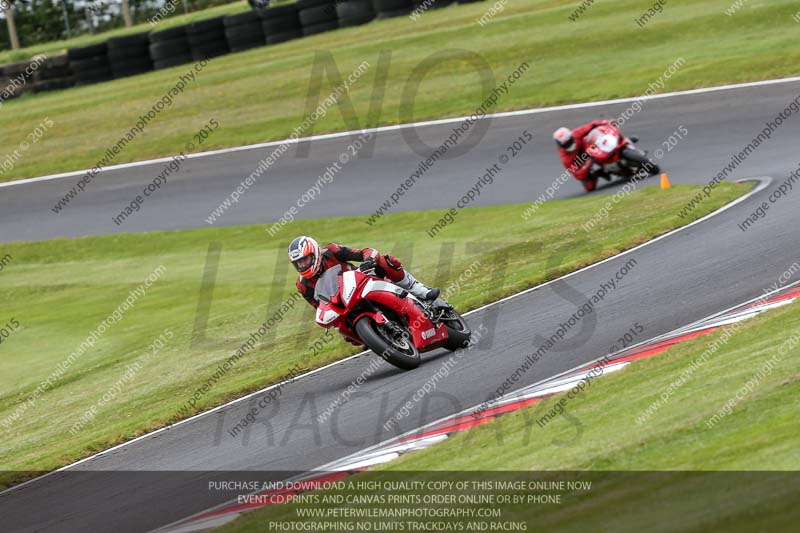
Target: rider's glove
{"x": 368, "y": 266}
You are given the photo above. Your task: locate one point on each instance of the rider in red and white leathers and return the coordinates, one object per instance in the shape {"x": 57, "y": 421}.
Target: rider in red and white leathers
{"x": 311, "y": 260}
{"x": 572, "y": 149}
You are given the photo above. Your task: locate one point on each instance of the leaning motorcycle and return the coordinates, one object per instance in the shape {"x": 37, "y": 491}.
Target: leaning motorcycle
{"x": 366, "y": 309}
{"x": 618, "y": 155}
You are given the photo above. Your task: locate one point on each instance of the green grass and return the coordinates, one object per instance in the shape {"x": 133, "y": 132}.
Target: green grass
{"x": 60, "y": 290}
{"x": 260, "y": 94}
{"x": 59, "y": 47}
{"x": 602, "y": 434}
{"x": 759, "y": 434}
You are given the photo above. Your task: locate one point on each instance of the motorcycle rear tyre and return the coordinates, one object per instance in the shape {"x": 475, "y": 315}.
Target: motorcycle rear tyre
{"x": 641, "y": 160}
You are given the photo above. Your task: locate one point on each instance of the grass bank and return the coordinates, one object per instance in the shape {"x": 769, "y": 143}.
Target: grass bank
{"x": 60, "y": 292}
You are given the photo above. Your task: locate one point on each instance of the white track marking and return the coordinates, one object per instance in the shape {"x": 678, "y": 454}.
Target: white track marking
{"x": 763, "y": 183}
{"x": 515, "y": 395}
{"x": 387, "y": 452}
{"x": 396, "y": 127}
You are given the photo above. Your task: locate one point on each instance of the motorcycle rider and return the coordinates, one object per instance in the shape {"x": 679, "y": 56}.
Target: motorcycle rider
{"x": 572, "y": 149}
{"x": 310, "y": 260}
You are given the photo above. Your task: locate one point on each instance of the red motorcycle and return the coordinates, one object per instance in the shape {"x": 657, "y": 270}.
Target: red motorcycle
{"x": 618, "y": 155}
{"x": 369, "y": 310}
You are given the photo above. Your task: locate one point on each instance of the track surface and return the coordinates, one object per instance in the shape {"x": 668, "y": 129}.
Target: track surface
{"x": 719, "y": 125}
{"x": 682, "y": 278}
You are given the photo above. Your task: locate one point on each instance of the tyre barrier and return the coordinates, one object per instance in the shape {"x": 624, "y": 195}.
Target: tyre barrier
{"x": 54, "y": 73}
{"x": 281, "y": 23}
{"x": 90, "y": 63}
{"x": 243, "y": 31}
{"x": 15, "y": 80}
{"x": 392, "y": 8}
{"x": 5, "y": 86}
{"x": 89, "y": 71}
{"x": 207, "y": 38}
{"x": 354, "y": 12}
{"x": 129, "y": 55}
{"x": 434, "y": 4}
{"x": 169, "y": 48}
{"x": 317, "y": 16}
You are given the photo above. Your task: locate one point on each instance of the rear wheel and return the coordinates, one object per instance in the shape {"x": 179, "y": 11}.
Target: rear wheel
{"x": 390, "y": 341}
{"x": 640, "y": 160}
{"x": 458, "y": 332}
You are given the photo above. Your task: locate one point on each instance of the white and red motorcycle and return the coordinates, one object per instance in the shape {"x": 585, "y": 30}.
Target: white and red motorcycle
{"x": 390, "y": 321}
{"x": 618, "y": 155}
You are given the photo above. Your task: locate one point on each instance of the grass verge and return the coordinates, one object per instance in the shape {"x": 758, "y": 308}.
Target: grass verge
{"x": 261, "y": 94}
{"x": 61, "y": 290}
{"x": 697, "y": 429}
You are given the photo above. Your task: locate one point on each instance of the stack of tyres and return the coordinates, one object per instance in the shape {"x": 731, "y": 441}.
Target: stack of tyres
{"x": 16, "y": 80}
{"x": 129, "y": 55}
{"x": 281, "y": 23}
{"x": 317, "y": 16}
{"x": 431, "y": 4}
{"x": 169, "y": 47}
{"x": 354, "y": 12}
{"x": 53, "y": 73}
{"x": 5, "y": 85}
{"x": 207, "y": 38}
{"x": 90, "y": 64}
{"x": 392, "y": 8}
{"x": 243, "y": 31}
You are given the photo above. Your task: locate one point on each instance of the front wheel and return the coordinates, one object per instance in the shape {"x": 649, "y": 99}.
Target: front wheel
{"x": 389, "y": 341}
{"x": 458, "y": 332}
{"x": 640, "y": 160}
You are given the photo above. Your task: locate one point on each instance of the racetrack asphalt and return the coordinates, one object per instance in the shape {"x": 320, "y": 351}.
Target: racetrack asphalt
{"x": 682, "y": 278}
{"x": 719, "y": 124}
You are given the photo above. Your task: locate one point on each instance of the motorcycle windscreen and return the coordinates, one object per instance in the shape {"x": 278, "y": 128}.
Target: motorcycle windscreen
{"x": 328, "y": 284}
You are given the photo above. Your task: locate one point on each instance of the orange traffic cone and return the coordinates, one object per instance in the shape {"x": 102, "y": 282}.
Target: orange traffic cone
{"x": 664, "y": 181}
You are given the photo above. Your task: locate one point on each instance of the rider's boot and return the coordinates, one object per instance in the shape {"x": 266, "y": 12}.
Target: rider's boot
{"x": 417, "y": 288}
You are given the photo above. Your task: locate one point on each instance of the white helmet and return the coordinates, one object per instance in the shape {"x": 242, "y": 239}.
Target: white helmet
{"x": 563, "y": 138}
